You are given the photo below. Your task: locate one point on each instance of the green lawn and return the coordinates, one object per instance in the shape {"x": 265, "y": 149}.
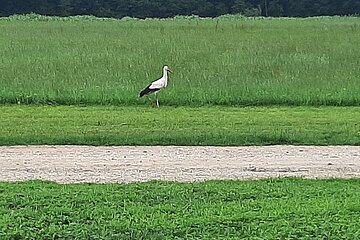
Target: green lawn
{"x": 224, "y": 61}
{"x": 101, "y": 125}
{"x": 263, "y": 209}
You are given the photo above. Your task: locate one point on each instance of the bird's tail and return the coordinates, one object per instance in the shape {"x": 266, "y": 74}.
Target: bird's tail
{"x": 142, "y": 93}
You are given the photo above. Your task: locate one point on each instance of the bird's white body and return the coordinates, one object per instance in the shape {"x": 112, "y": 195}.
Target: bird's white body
{"x": 161, "y": 82}
{"x": 157, "y": 85}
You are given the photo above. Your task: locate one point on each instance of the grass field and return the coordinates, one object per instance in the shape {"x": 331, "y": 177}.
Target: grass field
{"x": 99, "y": 125}
{"x": 263, "y": 67}
{"x": 225, "y": 61}
{"x": 266, "y": 209}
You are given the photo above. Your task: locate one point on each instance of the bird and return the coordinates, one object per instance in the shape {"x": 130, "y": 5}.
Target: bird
{"x": 155, "y": 86}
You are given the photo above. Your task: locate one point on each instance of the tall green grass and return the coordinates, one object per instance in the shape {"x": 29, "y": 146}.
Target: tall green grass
{"x": 224, "y": 61}
{"x": 266, "y": 209}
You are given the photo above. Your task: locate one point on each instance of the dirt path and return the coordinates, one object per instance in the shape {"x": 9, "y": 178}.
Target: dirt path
{"x": 67, "y": 164}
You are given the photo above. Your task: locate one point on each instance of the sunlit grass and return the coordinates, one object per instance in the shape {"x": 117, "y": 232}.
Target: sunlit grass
{"x": 265, "y": 209}
{"x": 224, "y": 61}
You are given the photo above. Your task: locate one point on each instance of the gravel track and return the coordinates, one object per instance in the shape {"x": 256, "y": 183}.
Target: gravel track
{"x": 75, "y": 164}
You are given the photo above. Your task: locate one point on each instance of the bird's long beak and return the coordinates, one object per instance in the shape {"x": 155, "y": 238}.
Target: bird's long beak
{"x": 169, "y": 71}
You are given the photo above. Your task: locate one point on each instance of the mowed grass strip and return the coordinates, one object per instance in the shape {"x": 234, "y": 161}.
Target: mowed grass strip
{"x": 262, "y": 209}
{"x": 99, "y": 125}
{"x": 224, "y": 61}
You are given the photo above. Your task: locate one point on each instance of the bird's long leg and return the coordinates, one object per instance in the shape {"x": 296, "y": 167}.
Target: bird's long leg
{"x": 157, "y": 100}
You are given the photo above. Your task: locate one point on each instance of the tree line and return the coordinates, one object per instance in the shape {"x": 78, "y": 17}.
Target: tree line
{"x": 170, "y": 8}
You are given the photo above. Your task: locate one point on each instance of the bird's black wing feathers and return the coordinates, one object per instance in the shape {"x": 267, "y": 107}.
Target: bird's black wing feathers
{"x": 148, "y": 91}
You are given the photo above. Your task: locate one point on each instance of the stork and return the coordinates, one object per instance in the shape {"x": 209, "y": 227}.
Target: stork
{"x": 157, "y": 85}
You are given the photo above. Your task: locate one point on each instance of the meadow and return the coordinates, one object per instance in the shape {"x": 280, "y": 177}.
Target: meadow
{"x": 262, "y": 209}
{"x": 230, "y": 60}
{"x": 235, "y": 81}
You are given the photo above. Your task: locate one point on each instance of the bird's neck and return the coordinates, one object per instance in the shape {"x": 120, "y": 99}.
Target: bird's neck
{"x": 165, "y": 74}
{"x": 165, "y": 77}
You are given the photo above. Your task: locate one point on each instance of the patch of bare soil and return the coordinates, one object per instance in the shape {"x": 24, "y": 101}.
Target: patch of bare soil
{"x": 73, "y": 164}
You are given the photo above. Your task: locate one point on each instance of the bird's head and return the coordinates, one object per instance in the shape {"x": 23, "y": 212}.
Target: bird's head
{"x": 167, "y": 69}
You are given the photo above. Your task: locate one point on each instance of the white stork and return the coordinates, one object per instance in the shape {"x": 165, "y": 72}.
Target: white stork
{"x": 157, "y": 85}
